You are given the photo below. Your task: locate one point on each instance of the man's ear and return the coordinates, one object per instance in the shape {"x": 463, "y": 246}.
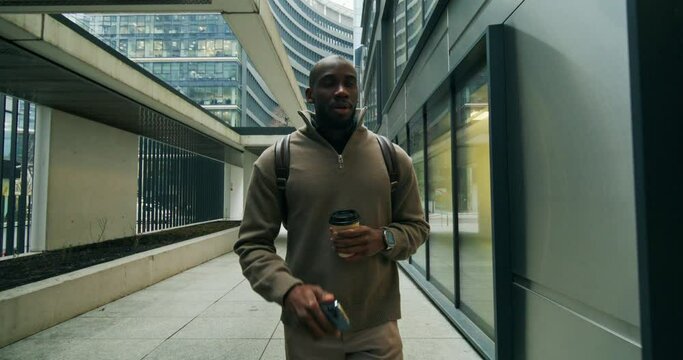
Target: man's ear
{"x": 309, "y": 98}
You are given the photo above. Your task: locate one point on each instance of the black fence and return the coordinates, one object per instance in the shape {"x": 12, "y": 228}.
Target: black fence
{"x": 17, "y": 145}
{"x": 176, "y": 187}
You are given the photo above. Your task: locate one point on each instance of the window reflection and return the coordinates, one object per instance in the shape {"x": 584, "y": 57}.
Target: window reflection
{"x": 440, "y": 190}
{"x": 474, "y": 200}
{"x": 429, "y": 6}
{"x": 416, "y": 151}
{"x": 371, "y": 115}
{"x": 371, "y": 19}
{"x": 400, "y": 38}
{"x": 414, "y": 20}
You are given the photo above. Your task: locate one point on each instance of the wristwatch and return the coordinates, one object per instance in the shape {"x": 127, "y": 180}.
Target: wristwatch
{"x": 389, "y": 241}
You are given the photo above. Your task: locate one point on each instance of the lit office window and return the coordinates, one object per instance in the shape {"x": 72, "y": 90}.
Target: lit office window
{"x": 440, "y": 190}
{"x": 139, "y": 48}
{"x": 158, "y": 47}
{"x": 474, "y": 200}
{"x": 414, "y": 20}
{"x": 400, "y": 37}
{"x": 416, "y": 151}
{"x": 123, "y": 46}
{"x": 229, "y": 117}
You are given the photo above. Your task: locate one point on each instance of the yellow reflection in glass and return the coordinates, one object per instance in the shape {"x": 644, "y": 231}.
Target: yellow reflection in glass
{"x": 474, "y": 201}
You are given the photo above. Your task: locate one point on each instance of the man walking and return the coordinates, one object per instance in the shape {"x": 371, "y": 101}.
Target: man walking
{"x": 335, "y": 163}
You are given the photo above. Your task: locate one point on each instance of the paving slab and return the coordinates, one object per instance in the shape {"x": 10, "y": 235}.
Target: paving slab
{"x": 209, "y": 349}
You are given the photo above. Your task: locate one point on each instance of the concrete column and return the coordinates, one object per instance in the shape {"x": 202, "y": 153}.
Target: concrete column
{"x": 91, "y": 182}
{"x": 40, "y": 175}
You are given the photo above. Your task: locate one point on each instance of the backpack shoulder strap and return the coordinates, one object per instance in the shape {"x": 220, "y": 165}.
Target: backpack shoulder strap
{"x": 389, "y": 155}
{"x": 282, "y": 173}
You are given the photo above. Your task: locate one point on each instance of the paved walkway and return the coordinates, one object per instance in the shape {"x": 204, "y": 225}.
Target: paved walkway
{"x": 210, "y": 312}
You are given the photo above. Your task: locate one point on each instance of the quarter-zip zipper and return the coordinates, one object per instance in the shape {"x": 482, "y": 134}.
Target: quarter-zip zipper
{"x": 313, "y": 134}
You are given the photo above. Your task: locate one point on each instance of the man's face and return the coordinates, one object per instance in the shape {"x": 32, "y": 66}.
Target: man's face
{"x": 334, "y": 94}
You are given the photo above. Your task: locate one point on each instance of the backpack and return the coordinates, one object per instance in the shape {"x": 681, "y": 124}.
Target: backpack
{"x": 282, "y": 168}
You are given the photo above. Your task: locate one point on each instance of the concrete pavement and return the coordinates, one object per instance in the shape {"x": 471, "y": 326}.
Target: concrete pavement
{"x": 210, "y": 312}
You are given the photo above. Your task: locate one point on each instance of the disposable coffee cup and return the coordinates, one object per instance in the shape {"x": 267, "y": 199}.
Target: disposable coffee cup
{"x": 343, "y": 220}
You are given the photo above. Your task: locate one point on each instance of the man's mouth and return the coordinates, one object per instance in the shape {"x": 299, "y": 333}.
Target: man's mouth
{"x": 341, "y": 108}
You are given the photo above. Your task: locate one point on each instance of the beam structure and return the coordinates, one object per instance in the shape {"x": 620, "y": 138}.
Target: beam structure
{"x": 47, "y": 62}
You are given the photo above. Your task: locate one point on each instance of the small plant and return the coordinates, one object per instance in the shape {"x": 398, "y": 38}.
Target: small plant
{"x": 102, "y": 226}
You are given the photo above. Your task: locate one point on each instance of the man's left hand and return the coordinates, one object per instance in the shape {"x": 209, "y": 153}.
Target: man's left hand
{"x": 362, "y": 241}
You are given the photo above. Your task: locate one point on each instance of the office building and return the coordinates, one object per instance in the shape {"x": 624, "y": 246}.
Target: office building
{"x": 198, "y": 54}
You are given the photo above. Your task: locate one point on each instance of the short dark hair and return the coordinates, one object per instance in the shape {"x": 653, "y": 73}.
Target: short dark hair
{"x": 318, "y": 67}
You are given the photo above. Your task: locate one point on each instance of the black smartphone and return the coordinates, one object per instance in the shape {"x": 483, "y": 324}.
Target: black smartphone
{"x": 336, "y": 315}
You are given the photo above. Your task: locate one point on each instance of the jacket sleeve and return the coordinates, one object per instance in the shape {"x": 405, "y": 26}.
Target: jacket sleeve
{"x": 266, "y": 271}
{"x": 408, "y": 224}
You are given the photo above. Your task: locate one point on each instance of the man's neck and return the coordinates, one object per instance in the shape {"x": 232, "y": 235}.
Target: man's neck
{"x": 338, "y": 138}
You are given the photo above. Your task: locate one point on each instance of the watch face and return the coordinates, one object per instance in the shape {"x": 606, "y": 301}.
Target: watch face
{"x": 389, "y": 239}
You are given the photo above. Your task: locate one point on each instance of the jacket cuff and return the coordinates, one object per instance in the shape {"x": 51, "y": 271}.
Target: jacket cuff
{"x": 403, "y": 247}
{"x": 282, "y": 287}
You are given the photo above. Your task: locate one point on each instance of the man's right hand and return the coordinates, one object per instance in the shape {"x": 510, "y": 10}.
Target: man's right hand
{"x": 304, "y": 302}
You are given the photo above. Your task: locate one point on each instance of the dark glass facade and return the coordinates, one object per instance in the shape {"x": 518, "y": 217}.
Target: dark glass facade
{"x": 447, "y": 136}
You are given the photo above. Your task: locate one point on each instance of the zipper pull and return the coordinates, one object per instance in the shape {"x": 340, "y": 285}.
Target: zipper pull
{"x": 341, "y": 161}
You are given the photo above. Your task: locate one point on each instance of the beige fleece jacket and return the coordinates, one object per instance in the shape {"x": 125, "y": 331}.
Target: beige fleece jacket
{"x": 321, "y": 182}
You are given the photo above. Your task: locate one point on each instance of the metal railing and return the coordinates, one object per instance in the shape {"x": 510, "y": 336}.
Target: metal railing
{"x": 17, "y": 145}
{"x": 176, "y": 187}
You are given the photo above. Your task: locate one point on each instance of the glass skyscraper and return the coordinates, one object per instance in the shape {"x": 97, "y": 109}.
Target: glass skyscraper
{"x": 198, "y": 54}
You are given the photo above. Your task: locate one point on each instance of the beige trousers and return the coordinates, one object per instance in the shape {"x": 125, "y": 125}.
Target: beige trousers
{"x": 379, "y": 342}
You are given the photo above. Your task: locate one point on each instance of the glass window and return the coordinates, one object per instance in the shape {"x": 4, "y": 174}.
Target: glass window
{"x": 400, "y": 37}
{"x": 371, "y": 115}
{"x": 371, "y": 19}
{"x": 414, "y": 20}
{"x": 149, "y": 48}
{"x": 474, "y": 200}
{"x": 429, "y": 6}
{"x": 440, "y": 194}
{"x": 158, "y": 46}
{"x": 123, "y": 46}
{"x": 416, "y": 151}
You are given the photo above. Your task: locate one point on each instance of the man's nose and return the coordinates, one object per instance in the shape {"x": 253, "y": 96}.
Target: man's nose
{"x": 341, "y": 91}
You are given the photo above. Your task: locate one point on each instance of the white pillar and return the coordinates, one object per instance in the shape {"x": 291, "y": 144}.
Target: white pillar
{"x": 236, "y": 193}
{"x": 41, "y": 170}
